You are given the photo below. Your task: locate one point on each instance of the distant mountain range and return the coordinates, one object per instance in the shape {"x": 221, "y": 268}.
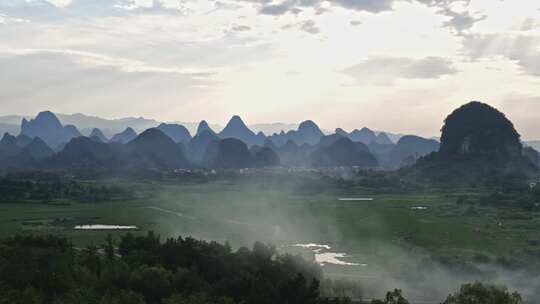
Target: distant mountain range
{"x": 109, "y": 127}
{"x": 45, "y": 142}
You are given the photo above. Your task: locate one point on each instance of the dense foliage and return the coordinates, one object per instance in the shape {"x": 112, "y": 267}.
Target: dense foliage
{"x": 392, "y": 297}
{"x": 512, "y": 193}
{"x": 22, "y": 190}
{"x": 478, "y": 144}
{"x": 478, "y": 293}
{"x": 48, "y": 269}
{"x": 477, "y": 128}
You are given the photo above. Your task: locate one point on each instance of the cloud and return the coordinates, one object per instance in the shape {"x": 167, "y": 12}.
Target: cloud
{"x": 385, "y": 70}
{"x": 69, "y": 80}
{"x": 372, "y": 6}
{"x": 277, "y": 9}
{"x": 523, "y": 49}
{"x": 461, "y": 21}
{"x": 5, "y": 19}
{"x": 90, "y": 60}
{"x": 240, "y": 28}
{"x": 268, "y": 7}
{"x": 310, "y": 27}
{"x": 41, "y": 10}
{"x": 529, "y": 24}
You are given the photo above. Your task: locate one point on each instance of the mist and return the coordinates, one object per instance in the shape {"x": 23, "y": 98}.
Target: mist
{"x": 306, "y": 217}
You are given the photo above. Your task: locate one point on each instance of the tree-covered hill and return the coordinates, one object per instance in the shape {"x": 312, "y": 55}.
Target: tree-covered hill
{"x": 478, "y": 143}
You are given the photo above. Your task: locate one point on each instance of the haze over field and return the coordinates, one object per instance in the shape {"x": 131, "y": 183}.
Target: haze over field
{"x": 392, "y": 65}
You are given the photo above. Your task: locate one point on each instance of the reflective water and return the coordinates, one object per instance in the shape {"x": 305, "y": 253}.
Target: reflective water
{"x": 104, "y": 227}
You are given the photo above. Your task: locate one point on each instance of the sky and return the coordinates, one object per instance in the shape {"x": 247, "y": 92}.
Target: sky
{"x": 396, "y": 65}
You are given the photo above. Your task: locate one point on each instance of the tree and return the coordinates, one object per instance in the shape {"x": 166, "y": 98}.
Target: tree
{"x": 123, "y": 297}
{"x": 153, "y": 282}
{"x": 109, "y": 247}
{"x": 392, "y": 297}
{"x": 479, "y": 293}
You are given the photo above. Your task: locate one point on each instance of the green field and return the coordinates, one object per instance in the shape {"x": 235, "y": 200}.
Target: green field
{"x": 385, "y": 233}
{"x": 243, "y": 212}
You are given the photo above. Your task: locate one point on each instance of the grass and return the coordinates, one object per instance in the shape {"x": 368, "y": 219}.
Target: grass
{"x": 244, "y": 212}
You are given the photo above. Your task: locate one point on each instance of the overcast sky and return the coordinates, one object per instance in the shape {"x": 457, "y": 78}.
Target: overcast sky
{"x": 395, "y": 65}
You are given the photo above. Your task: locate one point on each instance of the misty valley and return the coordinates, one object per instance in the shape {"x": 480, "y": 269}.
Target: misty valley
{"x": 296, "y": 217}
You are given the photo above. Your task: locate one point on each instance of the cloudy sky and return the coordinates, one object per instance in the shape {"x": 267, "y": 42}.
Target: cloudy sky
{"x": 395, "y": 65}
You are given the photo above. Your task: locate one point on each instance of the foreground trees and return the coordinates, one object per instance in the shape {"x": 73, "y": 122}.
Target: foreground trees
{"x": 48, "y": 269}
{"x": 36, "y": 269}
{"x": 478, "y": 293}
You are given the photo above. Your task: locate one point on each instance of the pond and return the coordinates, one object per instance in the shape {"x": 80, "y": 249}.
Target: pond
{"x": 353, "y": 199}
{"x": 324, "y": 257}
{"x": 104, "y": 227}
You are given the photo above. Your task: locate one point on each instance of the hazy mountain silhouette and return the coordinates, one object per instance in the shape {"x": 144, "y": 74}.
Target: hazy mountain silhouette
{"x": 229, "y": 153}
{"x": 11, "y": 128}
{"x": 272, "y": 128}
{"x": 112, "y": 126}
{"x": 203, "y": 126}
{"x": 98, "y": 134}
{"x": 38, "y": 149}
{"x": 406, "y": 152}
{"x": 329, "y": 139}
{"x": 534, "y": 144}
{"x": 23, "y": 140}
{"x": 269, "y": 144}
{"x": 85, "y": 153}
{"x": 308, "y": 133}
{"x": 199, "y": 144}
{"x": 343, "y": 152}
{"x": 368, "y": 136}
{"x": 340, "y": 131}
{"x": 383, "y": 139}
{"x": 236, "y": 128}
{"x": 124, "y": 137}
{"x": 8, "y": 146}
{"x": 86, "y": 123}
{"x": 47, "y": 126}
{"x": 265, "y": 157}
{"x": 153, "y": 149}
{"x": 291, "y": 154}
{"x": 380, "y": 150}
{"x": 532, "y": 155}
{"x": 279, "y": 139}
{"x": 363, "y": 135}
{"x": 176, "y": 132}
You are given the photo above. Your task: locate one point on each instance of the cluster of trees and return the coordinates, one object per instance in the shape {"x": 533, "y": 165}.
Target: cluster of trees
{"x": 142, "y": 269}
{"x": 48, "y": 269}
{"x": 476, "y": 293}
{"x": 478, "y": 144}
{"x": 14, "y": 190}
{"x": 511, "y": 193}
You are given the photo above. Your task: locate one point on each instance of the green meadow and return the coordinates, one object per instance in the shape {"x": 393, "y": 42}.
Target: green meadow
{"x": 242, "y": 212}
